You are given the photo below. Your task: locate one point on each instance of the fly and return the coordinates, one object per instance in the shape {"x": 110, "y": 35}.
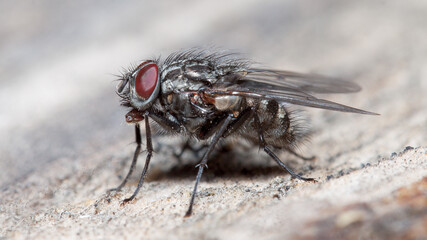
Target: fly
{"x": 211, "y": 96}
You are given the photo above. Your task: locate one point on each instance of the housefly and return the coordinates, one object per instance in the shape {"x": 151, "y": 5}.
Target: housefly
{"x": 207, "y": 95}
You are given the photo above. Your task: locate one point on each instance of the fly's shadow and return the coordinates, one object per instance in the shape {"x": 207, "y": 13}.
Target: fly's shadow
{"x": 229, "y": 160}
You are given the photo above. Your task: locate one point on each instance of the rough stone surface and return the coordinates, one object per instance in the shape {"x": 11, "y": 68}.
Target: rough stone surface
{"x": 64, "y": 141}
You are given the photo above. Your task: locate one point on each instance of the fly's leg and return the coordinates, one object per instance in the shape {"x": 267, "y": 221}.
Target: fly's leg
{"x": 188, "y": 146}
{"x": 135, "y": 159}
{"x": 203, "y": 164}
{"x": 147, "y": 160}
{"x": 165, "y": 122}
{"x": 183, "y": 148}
{"x": 231, "y": 128}
{"x": 300, "y": 156}
{"x": 176, "y": 127}
{"x": 238, "y": 122}
{"x": 281, "y": 164}
{"x": 272, "y": 155}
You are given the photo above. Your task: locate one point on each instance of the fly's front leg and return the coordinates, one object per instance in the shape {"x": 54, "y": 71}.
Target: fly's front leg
{"x": 135, "y": 159}
{"x": 271, "y": 154}
{"x": 147, "y": 160}
{"x": 166, "y": 123}
{"x": 137, "y": 116}
{"x": 204, "y": 161}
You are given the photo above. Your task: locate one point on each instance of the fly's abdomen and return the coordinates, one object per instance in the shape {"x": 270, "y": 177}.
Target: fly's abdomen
{"x": 281, "y": 126}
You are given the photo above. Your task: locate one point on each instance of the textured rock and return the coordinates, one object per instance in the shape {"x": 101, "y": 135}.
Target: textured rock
{"x": 65, "y": 142}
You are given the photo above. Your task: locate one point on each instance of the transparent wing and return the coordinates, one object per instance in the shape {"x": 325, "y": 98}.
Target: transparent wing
{"x": 304, "y": 82}
{"x": 292, "y": 92}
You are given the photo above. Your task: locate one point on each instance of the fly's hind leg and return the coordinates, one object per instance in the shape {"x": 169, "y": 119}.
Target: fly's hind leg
{"x": 263, "y": 144}
{"x": 188, "y": 146}
{"x": 312, "y": 158}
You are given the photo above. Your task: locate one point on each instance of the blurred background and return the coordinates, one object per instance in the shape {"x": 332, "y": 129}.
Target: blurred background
{"x": 61, "y": 121}
{"x": 58, "y": 59}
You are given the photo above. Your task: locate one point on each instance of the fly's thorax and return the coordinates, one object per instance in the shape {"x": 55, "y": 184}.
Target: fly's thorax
{"x": 187, "y": 76}
{"x": 185, "y": 104}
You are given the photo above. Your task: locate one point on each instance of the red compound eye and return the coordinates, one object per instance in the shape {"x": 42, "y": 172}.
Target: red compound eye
{"x": 146, "y": 80}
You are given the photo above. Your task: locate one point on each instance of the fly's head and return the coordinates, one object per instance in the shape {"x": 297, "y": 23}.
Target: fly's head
{"x": 140, "y": 87}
